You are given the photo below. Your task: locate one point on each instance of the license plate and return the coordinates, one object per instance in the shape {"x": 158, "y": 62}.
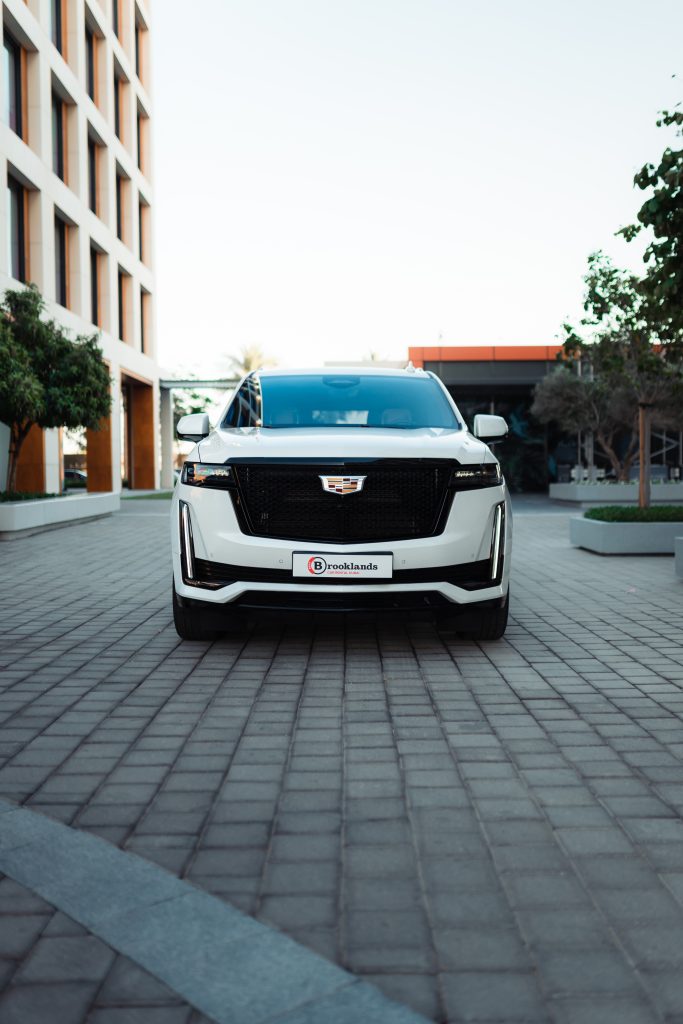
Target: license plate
{"x": 333, "y": 566}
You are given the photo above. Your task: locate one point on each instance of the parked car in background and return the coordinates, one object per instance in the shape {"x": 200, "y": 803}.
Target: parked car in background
{"x": 75, "y": 478}
{"x": 343, "y": 490}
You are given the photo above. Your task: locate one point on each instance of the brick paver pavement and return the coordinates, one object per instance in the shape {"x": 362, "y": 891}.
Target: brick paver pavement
{"x": 52, "y": 969}
{"x": 489, "y": 832}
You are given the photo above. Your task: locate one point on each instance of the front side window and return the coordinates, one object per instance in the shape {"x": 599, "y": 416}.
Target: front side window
{"x": 61, "y": 229}
{"x": 16, "y": 256}
{"x": 245, "y": 408}
{"x": 58, "y": 136}
{"x": 12, "y": 85}
{"x": 350, "y": 400}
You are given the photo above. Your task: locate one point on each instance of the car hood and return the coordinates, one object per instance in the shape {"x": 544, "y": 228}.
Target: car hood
{"x": 331, "y": 443}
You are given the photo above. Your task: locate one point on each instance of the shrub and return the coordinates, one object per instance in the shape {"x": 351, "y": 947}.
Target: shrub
{"x": 634, "y": 514}
{"x": 24, "y": 496}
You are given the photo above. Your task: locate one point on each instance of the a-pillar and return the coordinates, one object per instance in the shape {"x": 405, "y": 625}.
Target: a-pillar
{"x": 166, "y": 414}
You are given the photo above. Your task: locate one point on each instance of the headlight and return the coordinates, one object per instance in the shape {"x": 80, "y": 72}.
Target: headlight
{"x": 205, "y": 474}
{"x": 468, "y": 477}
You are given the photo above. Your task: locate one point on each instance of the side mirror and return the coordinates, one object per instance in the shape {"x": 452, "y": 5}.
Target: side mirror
{"x": 490, "y": 428}
{"x": 194, "y": 427}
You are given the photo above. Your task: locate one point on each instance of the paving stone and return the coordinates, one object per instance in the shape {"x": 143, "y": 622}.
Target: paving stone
{"x": 66, "y": 1003}
{"x": 472, "y": 996}
{"x": 493, "y": 796}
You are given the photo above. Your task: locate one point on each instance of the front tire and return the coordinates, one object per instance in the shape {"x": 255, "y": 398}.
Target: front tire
{"x": 489, "y": 623}
{"x": 190, "y": 622}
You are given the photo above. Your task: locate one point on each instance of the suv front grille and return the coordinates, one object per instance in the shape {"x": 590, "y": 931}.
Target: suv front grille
{"x": 400, "y": 500}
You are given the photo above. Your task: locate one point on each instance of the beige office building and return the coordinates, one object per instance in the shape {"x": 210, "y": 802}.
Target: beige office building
{"x": 77, "y": 219}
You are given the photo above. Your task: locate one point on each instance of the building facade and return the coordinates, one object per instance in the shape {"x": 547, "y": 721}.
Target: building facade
{"x": 75, "y": 163}
{"x": 500, "y": 379}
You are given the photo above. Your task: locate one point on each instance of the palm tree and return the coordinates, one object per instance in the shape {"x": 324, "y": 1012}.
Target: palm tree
{"x": 249, "y": 358}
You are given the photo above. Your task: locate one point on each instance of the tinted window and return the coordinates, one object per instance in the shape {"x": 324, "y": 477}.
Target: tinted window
{"x": 12, "y": 85}
{"x": 58, "y": 136}
{"x": 60, "y": 262}
{"x": 245, "y": 409}
{"x": 17, "y": 229}
{"x": 352, "y": 400}
{"x": 90, "y": 61}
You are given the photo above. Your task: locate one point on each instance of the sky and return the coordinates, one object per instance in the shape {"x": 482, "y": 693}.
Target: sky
{"x": 335, "y": 179}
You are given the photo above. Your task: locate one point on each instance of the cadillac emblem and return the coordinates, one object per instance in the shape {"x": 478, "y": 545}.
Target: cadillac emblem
{"x": 343, "y": 484}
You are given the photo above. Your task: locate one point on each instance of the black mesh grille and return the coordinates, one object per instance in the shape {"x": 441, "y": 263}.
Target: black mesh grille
{"x": 399, "y": 500}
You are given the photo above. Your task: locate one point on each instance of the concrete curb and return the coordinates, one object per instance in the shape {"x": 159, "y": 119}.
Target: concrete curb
{"x": 227, "y": 965}
{"x": 623, "y": 538}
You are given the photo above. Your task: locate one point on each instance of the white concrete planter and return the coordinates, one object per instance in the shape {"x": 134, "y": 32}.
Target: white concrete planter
{"x": 623, "y": 538}
{"x": 21, "y": 518}
{"x": 678, "y": 551}
{"x": 616, "y": 494}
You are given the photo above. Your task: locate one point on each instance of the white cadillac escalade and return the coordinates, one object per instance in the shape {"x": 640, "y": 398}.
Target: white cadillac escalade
{"x": 340, "y": 489}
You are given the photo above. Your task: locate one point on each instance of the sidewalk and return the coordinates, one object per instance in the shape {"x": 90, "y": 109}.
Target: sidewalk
{"x": 484, "y": 832}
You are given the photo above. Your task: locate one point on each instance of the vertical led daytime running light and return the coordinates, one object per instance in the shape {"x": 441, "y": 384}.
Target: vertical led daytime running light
{"x": 496, "y": 540}
{"x": 186, "y": 541}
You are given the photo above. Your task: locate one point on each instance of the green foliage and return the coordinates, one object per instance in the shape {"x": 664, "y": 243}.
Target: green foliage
{"x": 250, "y": 357}
{"x": 25, "y": 496}
{"x": 633, "y": 514}
{"x": 662, "y": 214}
{"x": 187, "y": 402}
{"x": 46, "y": 379}
{"x": 613, "y": 363}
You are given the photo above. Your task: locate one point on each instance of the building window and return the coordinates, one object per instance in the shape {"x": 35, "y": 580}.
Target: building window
{"x": 90, "y": 74}
{"x": 13, "y": 112}
{"x": 56, "y": 24}
{"x": 141, "y": 236}
{"x": 123, "y": 282}
{"x": 144, "y": 321}
{"x": 61, "y": 262}
{"x": 138, "y": 49}
{"x": 116, "y": 17}
{"x": 58, "y": 136}
{"x": 117, "y": 105}
{"x": 92, "y": 174}
{"x": 119, "y": 205}
{"x": 16, "y": 215}
{"x": 139, "y": 139}
{"x": 95, "y": 286}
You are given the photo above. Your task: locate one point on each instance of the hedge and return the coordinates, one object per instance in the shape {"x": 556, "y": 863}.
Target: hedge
{"x": 634, "y": 514}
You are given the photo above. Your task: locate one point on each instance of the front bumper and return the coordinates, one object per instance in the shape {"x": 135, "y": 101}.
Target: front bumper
{"x": 447, "y": 569}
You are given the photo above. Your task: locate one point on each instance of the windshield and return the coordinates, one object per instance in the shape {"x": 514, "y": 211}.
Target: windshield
{"x": 342, "y": 400}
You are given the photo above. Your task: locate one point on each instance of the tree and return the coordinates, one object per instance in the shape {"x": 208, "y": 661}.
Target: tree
{"x": 251, "y": 357}
{"x": 187, "y": 402}
{"x": 46, "y": 379}
{"x": 584, "y": 404}
{"x": 662, "y": 214}
{"x": 628, "y": 376}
